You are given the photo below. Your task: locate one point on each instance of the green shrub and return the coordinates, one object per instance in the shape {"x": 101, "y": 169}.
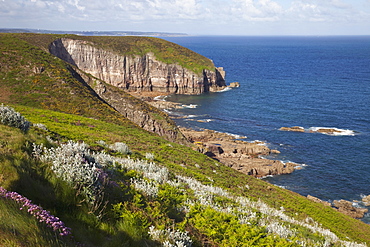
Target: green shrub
{"x": 10, "y": 117}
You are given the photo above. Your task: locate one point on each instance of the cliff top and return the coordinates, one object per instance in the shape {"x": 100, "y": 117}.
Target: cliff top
{"x": 163, "y": 50}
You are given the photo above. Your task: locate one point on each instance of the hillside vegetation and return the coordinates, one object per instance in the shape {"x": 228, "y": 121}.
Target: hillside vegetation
{"x": 111, "y": 183}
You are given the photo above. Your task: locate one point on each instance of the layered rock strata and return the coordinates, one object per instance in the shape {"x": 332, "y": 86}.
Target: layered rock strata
{"x": 239, "y": 155}
{"x": 133, "y": 72}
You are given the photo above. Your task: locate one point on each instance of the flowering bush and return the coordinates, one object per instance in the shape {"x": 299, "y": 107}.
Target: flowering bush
{"x": 170, "y": 238}
{"x": 10, "y": 117}
{"x": 73, "y": 163}
{"x": 147, "y": 187}
{"x": 149, "y": 156}
{"x": 42, "y": 215}
{"x": 120, "y": 147}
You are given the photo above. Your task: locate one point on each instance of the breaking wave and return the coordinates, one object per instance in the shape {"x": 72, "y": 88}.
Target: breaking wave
{"x": 224, "y": 90}
{"x": 332, "y": 131}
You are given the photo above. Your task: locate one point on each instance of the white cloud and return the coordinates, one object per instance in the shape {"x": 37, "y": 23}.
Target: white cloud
{"x": 180, "y": 15}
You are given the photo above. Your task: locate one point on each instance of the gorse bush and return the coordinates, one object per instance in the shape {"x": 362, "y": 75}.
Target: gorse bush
{"x": 10, "y": 117}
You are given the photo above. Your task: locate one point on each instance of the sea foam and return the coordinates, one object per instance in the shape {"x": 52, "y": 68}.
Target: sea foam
{"x": 335, "y": 132}
{"x": 224, "y": 90}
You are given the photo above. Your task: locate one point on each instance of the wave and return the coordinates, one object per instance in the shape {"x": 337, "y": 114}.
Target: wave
{"x": 236, "y": 136}
{"x": 160, "y": 97}
{"x": 204, "y": 120}
{"x": 332, "y": 131}
{"x": 189, "y": 106}
{"x": 224, "y": 90}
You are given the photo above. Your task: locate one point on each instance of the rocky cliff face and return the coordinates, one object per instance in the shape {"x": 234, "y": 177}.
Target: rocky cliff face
{"x": 136, "y": 72}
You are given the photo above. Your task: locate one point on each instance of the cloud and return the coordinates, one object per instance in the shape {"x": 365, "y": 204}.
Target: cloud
{"x": 181, "y": 15}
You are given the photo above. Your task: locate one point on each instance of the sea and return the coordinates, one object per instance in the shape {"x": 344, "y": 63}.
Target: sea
{"x": 307, "y": 81}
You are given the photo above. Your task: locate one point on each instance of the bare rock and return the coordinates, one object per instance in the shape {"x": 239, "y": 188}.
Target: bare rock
{"x": 347, "y": 208}
{"x": 327, "y": 131}
{"x": 315, "y": 199}
{"x": 294, "y": 128}
{"x": 366, "y": 200}
{"x": 234, "y": 84}
{"x": 239, "y": 155}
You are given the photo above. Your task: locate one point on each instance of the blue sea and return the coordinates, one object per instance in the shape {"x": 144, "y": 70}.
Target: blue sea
{"x": 293, "y": 81}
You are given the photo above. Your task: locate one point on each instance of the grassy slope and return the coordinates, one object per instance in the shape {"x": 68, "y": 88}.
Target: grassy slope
{"x": 70, "y": 111}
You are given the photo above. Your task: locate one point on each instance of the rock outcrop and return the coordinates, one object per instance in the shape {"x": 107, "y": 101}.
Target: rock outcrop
{"x": 133, "y": 72}
{"x": 294, "y": 128}
{"x": 343, "y": 206}
{"x": 366, "y": 200}
{"x": 239, "y": 155}
{"x": 347, "y": 208}
{"x": 234, "y": 84}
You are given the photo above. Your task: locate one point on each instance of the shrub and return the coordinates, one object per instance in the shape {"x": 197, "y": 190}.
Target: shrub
{"x": 73, "y": 163}
{"x": 120, "y": 147}
{"x": 149, "y": 156}
{"x": 170, "y": 238}
{"x": 10, "y": 117}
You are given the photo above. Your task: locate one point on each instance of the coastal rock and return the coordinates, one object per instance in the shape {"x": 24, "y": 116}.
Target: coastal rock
{"x": 258, "y": 167}
{"x": 239, "y": 155}
{"x": 347, "y": 208}
{"x": 366, "y": 200}
{"x": 328, "y": 131}
{"x": 234, "y": 84}
{"x": 315, "y": 199}
{"x": 294, "y": 128}
{"x": 136, "y": 73}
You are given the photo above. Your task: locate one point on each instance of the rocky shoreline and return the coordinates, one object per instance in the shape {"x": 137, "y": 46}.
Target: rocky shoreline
{"x": 245, "y": 157}
{"x": 226, "y": 148}
{"x": 238, "y": 154}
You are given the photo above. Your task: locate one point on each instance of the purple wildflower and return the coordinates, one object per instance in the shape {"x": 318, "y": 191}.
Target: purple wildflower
{"x": 42, "y": 215}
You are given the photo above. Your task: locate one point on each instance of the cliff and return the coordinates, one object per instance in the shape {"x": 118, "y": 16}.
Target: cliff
{"x": 136, "y": 72}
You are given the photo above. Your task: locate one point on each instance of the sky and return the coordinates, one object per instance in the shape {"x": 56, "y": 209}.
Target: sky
{"x": 194, "y": 17}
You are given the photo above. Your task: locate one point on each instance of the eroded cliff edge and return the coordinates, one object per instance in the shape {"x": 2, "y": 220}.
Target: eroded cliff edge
{"x": 136, "y": 72}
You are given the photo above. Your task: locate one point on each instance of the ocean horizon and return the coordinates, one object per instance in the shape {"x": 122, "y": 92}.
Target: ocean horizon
{"x": 307, "y": 81}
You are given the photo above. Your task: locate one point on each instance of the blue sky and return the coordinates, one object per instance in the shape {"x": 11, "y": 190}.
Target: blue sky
{"x": 196, "y": 17}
